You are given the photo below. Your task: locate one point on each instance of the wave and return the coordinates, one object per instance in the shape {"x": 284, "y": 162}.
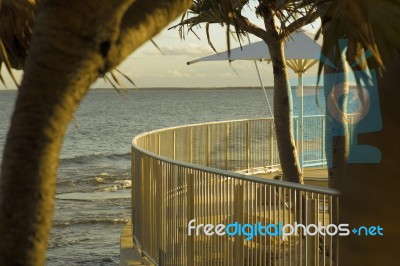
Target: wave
{"x": 103, "y": 194}
{"x": 83, "y": 159}
{"x": 110, "y": 221}
{"x": 100, "y": 179}
{"x": 120, "y": 184}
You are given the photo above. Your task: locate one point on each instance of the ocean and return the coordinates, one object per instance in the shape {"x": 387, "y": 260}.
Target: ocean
{"x": 93, "y": 187}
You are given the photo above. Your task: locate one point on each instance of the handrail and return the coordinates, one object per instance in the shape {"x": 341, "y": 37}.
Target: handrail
{"x": 281, "y": 183}
{"x": 188, "y": 172}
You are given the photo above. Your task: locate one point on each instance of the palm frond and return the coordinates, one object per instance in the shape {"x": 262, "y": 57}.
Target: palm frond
{"x": 4, "y": 59}
{"x": 127, "y": 78}
{"x": 369, "y": 24}
{"x": 208, "y": 37}
{"x": 17, "y": 22}
{"x": 157, "y": 47}
{"x": 117, "y": 84}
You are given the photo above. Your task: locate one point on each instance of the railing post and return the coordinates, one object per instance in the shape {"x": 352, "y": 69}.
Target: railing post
{"x": 190, "y": 215}
{"x": 227, "y": 147}
{"x": 311, "y": 241}
{"x": 208, "y": 146}
{"x": 190, "y": 145}
{"x": 159, "y": 143}
{"x": 174, "y": 144}
{"x": 134, "y": 172}
{"x": 323, "y": 142}
{"x": 238, "y": 255}
{"x": 248, "y": 146}
{"x": 271, "y": 141}
{"x": 159, "y": 211}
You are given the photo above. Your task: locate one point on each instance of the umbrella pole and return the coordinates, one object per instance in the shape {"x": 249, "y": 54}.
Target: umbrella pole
{"x": 301, "y": 94}
{"x": 262, "y": 86}
{"x": 261, "y": 82}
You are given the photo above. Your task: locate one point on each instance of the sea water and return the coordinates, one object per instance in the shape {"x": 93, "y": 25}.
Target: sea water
{"x": 93, "y": 185}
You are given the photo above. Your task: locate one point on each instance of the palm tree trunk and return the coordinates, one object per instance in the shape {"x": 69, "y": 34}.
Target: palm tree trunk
{"x": 49, "y": 95}
{"x": 282, "y": 115}
{"x": 336, "y": 89}
{"x": 369, "y": 192}
{"x": 336, "y": 147}
{"x": 74, "y": 42}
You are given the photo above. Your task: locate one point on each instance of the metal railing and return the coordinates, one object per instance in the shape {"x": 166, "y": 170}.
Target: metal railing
{"x": 185, "y": 173}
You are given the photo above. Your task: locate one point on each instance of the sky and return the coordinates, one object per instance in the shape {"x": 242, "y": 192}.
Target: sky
{"x": 147, "y": 67}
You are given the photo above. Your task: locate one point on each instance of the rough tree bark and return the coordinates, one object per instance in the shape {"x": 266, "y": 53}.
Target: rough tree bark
{"x": 73, "y": 43}
{"x": 337, "y": 147}
{"x": 282, "y": 115}
{"x": 369, "y": 192}
{"x": 336, "y": 89}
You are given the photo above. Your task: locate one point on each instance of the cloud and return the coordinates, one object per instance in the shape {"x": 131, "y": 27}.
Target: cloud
{"x": 190, "y": 49}
{"x": 201, "y": 75}
{"x": 226, "y": 75}
{"x": 178, "y": 74}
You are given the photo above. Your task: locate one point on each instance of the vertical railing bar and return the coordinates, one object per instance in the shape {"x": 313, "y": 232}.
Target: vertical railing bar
{"x": 247, "y": 146}
{"x": 275, "y": 222}
{"x": 246, "y": 216}
{"x": 208, "y": 158}
{"x": 295, "y": 218}
{"x": 279, "y": 204}
{"x": 227, "y": 147}
{"x": 206, "y": 216}
{"x": 256, "y": 216}
{"x": 239, "y": 218}
{"x": 175, "y": 209}
{"x": 270, "y": 221}
{"x": 209, "y": 213}
{"x": 323, "y": 141}
{"x": 284, "y": 222}
{"x": 220, "y": 214}
{"x": 181, "y": 216}
{"x": 300, "y": 197}
{"x": 173, "y": 202}
{"x": 229, "y": 218}
{"x": 164, "y": 209}
{"x": 190, "y": 145}
{"x": 316, "y": 248}
{"x": 203, "y": 199}
{"x": 171, "y": 214}
{"x": 324, "y": 223}
{"x": 271, "y": 141}
{"x": 291, "y": 222}
{"x": 212, "y": 212}
{"x": 159, "y": 144}
{"x": 174, "y": 145}
{"x": 168, "y": 237}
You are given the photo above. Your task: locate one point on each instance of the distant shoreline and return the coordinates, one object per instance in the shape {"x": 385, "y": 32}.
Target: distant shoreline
{"x": 187, "y": 88}
{"x": 183, "y": 88}
{"x": 168, "y": 88}
{"x": 201, "y": 88}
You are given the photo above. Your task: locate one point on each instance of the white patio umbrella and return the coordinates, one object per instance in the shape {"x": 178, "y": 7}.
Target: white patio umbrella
{"x": 301, "y": 52}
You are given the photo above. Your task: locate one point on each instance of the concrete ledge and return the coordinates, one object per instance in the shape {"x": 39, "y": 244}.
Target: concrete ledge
{"x": 128, "y": 255}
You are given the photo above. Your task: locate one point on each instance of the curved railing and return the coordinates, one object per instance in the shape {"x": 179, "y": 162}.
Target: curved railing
{"x": 188, "y": 172}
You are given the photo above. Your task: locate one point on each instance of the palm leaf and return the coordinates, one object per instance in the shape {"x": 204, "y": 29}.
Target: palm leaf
{"x": 17, "y": 21}
{"x": 370, "y": 24}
